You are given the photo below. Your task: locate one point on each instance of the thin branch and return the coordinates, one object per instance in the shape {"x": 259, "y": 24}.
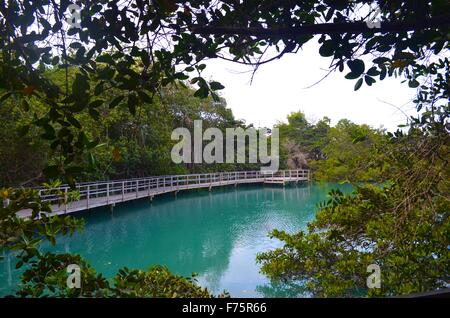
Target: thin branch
{"x": 396, "y": 107}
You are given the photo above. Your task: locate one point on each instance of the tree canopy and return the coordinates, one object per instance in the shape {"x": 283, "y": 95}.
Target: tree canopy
{"x": 138, "y": 47}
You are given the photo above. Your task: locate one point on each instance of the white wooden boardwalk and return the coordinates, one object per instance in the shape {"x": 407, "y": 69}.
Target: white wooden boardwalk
{"x": 108, "y": 193}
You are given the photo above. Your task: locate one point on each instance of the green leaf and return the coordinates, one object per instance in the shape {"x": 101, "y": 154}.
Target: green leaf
{"x": 202, "y": 92}
{"x": 106, "y": 73}
{"x": 72, "y": 31}
{"x": 132, "y": 102}
{"x": 359, "y": 138}
{"x": 94, "y": 113}
{"x": 145, "y": 97}
{"x": 381, "y": 60}
{"x": 181, "y": 76}
{"x": 91, "y": 160}
{"x": 5, "y": 97}
{"x": 352, "y": 75}
{"x": 145, "y": 57}
{"x": 369, "y": 80}
{"x": 105, "y": 58}
{"x": 383, "y": 73}
{"x": 55, "y": 60}
{"x": 74, "y": 121}
{"x": 358, "y": 84}
{"x": 413, "y": 83}
{"x": 116, "y": 101}
{"x": 99, "y": 88}
{"x": 373, "y": 71}
{"x": 49, "y": 133}
{"x": 356, "y": 66}
{"x": 80, "y": 86}
{"x": 327, "y": 49}
{"x": 75, "y": 45}
{"x": 96, "y": 103}
{"x": 216, "y": 86}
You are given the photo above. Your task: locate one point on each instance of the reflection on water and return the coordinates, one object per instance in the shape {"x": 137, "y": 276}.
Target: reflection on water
{"x": 216, "y": 234}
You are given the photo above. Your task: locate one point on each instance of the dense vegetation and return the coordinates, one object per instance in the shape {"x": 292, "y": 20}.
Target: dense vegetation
{"x": 338, "y": 153}
{"x": 134, "y": 52}
{"x": 402, "y": 226}
{"x": 127, "y": 144}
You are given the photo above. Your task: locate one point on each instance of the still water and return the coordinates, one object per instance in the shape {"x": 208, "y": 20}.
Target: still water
{"x": 215, "y": 234}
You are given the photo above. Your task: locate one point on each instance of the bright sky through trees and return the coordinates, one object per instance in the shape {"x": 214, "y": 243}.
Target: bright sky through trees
{"x": 278, "y": 88}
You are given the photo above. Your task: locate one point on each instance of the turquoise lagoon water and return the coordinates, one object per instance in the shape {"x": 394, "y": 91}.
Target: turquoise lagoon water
{"x": 215, "y": 234}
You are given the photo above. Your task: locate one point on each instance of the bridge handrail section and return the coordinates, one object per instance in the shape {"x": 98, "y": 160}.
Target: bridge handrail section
{"x": 90, "y": 190}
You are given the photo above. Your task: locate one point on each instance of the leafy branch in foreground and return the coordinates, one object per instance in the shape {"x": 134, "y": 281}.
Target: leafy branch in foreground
{"x": 47, "y": 277}
{"x": 26, "y": 234}
{"x": 136, "y": 48}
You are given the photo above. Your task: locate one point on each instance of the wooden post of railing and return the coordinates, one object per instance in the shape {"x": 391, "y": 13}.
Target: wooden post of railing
{"x": 107, "y": 193}
{"x": 87, "y": 196}
{"x": 65, "y": 200}
{"x": 123, "y": 191}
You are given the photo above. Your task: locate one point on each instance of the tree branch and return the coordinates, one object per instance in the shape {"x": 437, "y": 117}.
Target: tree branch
{"x": 325, "y": 28}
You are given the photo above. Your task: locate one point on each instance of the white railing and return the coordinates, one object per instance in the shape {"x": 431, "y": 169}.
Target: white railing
{"x": 119, "y": 190}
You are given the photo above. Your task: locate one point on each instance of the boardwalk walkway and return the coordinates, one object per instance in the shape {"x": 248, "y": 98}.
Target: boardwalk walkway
{"x": 108, "y": 193}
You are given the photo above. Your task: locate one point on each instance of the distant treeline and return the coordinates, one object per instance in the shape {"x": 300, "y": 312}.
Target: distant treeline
{"x": 339, "y": 153}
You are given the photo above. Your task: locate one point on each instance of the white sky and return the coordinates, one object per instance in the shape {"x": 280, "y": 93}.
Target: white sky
{"x": 278, "y": 89}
